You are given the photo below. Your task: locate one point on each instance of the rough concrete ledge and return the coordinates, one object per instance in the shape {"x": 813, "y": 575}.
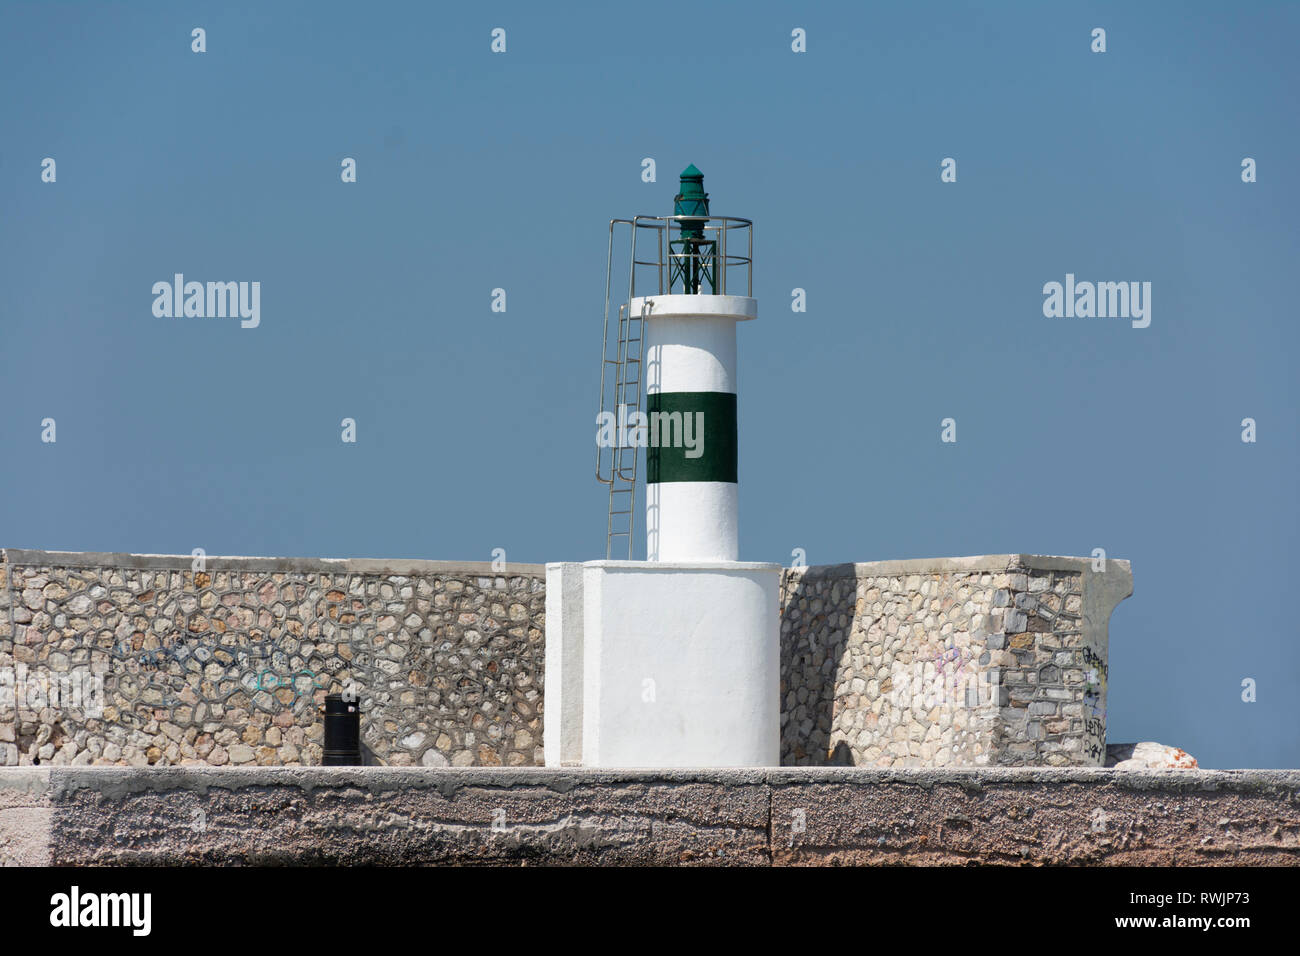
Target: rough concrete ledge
{"x": 401, "y": 816}
{"x": 1054, "y": 816}
{"x": 787, "y": 816}
{"x": 184, "y": 562}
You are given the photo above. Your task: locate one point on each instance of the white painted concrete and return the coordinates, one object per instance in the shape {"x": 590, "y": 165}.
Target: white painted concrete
{"x": 681, "y": 664}
{"x": 690, "y": 341}
{"x": 690, "y": 346}
{"x": 562, "y": 714}
{"x": 690, "y": 354}
{"x": 692, "y": 521}
{"x": 739, "y": 307}
{"x": 674, "y": 661}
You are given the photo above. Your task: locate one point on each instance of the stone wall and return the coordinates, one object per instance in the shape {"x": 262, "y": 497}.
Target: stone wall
{"x": 994, "y": 660}
{"x": 138, "y": 659}
{"x": 791, "y": 816}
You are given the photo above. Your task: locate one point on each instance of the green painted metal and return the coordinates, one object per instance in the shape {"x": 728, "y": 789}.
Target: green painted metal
{"x": 708, "y": 420}
{"x": 691, "y": 200}
{"x": 694, "y": 258}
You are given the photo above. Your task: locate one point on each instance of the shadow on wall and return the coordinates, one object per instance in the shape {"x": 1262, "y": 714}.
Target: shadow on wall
{"x": 815, "y": 630}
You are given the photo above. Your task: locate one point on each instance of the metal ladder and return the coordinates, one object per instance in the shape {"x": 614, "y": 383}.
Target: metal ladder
{"x": 623, "y": 456}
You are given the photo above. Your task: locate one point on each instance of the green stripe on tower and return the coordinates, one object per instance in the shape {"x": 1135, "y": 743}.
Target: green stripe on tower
{"x": 692, "y": 437}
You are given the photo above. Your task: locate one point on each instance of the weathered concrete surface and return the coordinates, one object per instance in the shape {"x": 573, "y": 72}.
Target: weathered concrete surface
{"x": 400, "y": 816}
{"x": 25, "y": 816}
{"x": 1037, "y": 816}
{"x": 792, "y": 816}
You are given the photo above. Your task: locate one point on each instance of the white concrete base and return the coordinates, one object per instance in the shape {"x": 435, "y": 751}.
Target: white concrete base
{"x": 679, "y": 665}
{"x": 563, "y": 701}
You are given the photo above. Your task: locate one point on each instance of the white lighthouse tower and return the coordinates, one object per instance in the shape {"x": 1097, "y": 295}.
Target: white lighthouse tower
{"x": 672, "y": 661}
{"x": 691, "y": 501}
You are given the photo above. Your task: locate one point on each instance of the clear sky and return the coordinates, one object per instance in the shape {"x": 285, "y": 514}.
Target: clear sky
{"x": 479, "y": 170}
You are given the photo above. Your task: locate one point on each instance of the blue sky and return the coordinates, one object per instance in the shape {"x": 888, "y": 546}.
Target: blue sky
{"x": 479, "y": 170}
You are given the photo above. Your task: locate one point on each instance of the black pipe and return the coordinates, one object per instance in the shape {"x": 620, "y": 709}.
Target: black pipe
{"x": 342, "y": 732}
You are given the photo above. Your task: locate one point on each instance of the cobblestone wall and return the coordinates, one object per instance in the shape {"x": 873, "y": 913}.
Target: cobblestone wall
{"x": 130, "y": 659}
{"x": 996, "y": 660}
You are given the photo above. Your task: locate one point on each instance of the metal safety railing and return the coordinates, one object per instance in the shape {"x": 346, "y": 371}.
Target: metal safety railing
{"x": 703, "y": 258}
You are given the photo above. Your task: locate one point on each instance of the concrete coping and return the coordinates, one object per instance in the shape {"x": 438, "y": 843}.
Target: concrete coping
{"x": 742, "y": 308}
{"x": 212, "y": 562}
{"x": 980, "y": 562}
{"x": 676, "y": 565}
{"x": 413, "y": 566}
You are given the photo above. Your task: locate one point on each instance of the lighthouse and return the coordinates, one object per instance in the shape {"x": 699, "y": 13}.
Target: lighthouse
{"x": 670, "y": 661}
{"x": 690, "y": 348}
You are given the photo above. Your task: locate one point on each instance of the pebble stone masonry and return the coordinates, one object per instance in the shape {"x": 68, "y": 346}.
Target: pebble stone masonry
{"x": 998, "y": 660}
{"x": 992, "y": 660}
{"x": 228, "y": 665}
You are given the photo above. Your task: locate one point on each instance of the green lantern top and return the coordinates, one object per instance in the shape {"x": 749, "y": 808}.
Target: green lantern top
{"x": 691, "y": 200}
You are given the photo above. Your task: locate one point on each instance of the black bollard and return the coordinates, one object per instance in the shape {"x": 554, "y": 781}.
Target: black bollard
{"x": 342, "y": 732}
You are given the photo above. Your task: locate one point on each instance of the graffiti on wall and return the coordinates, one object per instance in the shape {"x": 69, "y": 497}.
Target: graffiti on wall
{"x": 1094, "y": 716}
